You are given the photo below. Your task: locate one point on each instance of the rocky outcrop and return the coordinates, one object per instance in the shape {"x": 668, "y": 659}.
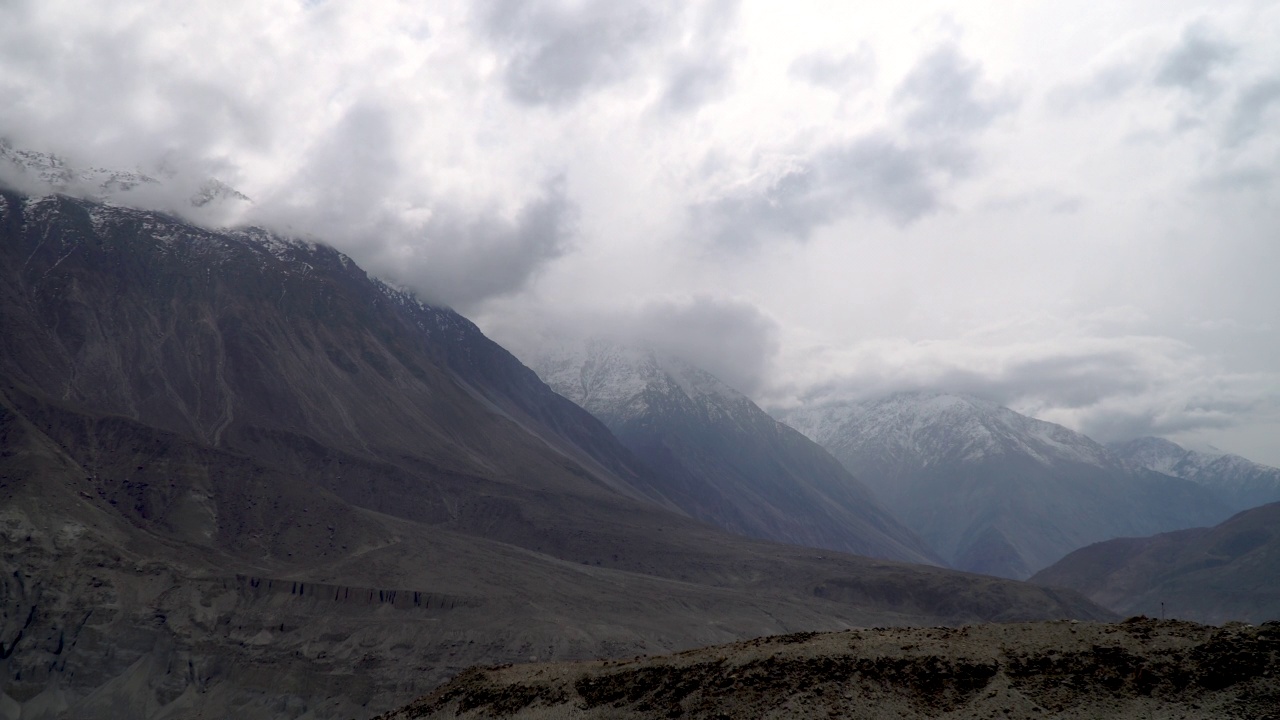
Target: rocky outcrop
{"x": 1140, "y": 668}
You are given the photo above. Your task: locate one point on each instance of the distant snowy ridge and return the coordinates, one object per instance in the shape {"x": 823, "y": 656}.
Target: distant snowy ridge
{"x": 994, "y": 491}
{"x": 1241, "y": 483}
{"x": 937, "y": 427}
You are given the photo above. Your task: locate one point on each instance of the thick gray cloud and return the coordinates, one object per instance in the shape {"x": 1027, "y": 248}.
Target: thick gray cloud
{"x": 1197, "y": 62}
{"x": 1192, "y": 62}
{"x": 1041, "y": 200}
{"x": 465, "y": 258}
{"x": 703, "y": 69}
{"x": 1199, "y": 83}
{"x": 835, "y": 70}
{"x": 1060, "y": 378}
{"x": 875, "y": 174}
{"x": 336, "y": 190}
{"x": 110, "y": 95}
{"x": 1103, "y": 85}
{"x": 695, "y": 82}
{"x": 555, "y": 54}
{"x": 897, "y": 180}
{"x": 454, "y": 255}
{"x": 731, "y": 339}
{"x": 1069, "y": 380}
{"x": 1250, "y": 176}
{"x": 944, "y": 93}
{"x": 900, "y": 176}
{"x": 1118, "y": 422}
{"x": 1253, "y": 112}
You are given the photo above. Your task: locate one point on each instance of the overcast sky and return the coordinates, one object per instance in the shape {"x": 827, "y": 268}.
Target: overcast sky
{"x": 1070, "y": 208}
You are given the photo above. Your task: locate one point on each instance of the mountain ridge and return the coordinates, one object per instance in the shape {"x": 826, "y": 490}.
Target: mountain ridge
{"x": 994, "y": 491}
{"x": 725, "y": 460}
{"x": 1237, "y": 481}
{"x": 214, "y": 443}
{"x": 1209, "y": 574}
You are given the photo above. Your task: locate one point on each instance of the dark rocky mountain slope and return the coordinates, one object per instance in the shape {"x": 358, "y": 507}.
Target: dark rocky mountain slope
{"x": 1227, "y": 572}
{"x": 994, "y": 491}
{"x": 241, "y": 478}
{"x": 722, "y": 459}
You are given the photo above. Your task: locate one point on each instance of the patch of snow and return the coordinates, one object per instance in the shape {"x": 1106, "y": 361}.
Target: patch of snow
{"x": 279, "y": 246}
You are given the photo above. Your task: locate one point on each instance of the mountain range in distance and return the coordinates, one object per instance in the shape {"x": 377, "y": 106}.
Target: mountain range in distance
{"x": 242, "y": 477}
{"x": 236, "y": 453}
{"x": 1239, "y": 483}
{"x": 989, "y": 490}
{"x": 996, "y": 492}
{"x": 721, "y": 458}
{"x": 994, "y": 471}
{"x": 987, "y": 470}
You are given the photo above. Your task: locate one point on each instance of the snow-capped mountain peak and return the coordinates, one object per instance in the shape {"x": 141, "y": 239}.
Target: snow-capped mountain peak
{"x": 719, "y": 457}
{"x": 1240, "y": 482}
{"x": 936, "y": 427}
{"x": 992, "y": 490}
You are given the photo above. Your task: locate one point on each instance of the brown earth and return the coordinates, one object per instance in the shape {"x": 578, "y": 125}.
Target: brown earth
{"x": 1139, "y": 668}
